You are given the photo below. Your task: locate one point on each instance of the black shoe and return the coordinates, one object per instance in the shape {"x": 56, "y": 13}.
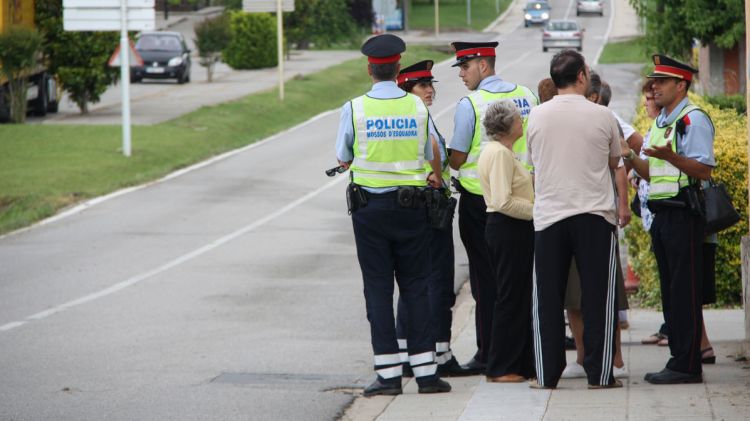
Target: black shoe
{"x": 668, "y": 376}
{"x": 570, "y": 343}
{"x": 453, "y": 369}
{"x": 382, "y": 387}
{"x": 474, "y": 367}
{"x": 653, "y": 373}
{"x": 435, "y": 386}
{"x": 406, "y": 370}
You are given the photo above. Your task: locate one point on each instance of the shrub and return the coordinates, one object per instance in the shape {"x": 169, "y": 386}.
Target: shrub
{"x": 734, "y": 102}
{"x": 212, "y": 36}
{"x": 78, "y": 58}
{"x": 253, "y": 41}
{"x": 321, "y": 22}
{"x": 730, "y": 149}
{"x": 19, "y": 48}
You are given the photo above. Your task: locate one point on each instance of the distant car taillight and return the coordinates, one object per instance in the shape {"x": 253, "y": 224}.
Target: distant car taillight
{"x": 545, "y": 34}
{"x": 577, "y": 34}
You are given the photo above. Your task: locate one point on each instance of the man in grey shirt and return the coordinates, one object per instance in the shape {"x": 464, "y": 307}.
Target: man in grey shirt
{"x": 572, "y": 144}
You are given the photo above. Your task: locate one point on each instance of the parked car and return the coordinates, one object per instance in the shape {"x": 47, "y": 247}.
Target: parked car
{"x": 536, "y": 12}
{"x": 562, "y": 34}
{"x": 590, "y": 6}
{"x": 165, "y": 56}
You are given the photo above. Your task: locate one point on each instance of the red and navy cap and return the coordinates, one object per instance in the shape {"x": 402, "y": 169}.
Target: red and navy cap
{"x": 383, "y": 49}
{"x": 418, "y": 72}
{"x": 667, "y": 67}
{"x": 466, "y": 51}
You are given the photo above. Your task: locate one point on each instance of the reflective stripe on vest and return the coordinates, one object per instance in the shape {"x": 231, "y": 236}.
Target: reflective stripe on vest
{"x": 480, "y": 100}
{"x": 666, "y": 179}
{"x": 389, "y": 141}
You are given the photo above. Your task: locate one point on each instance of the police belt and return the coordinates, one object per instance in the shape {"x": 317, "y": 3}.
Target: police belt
{"x": 408, "y": 197}
{"x": 680, "y": 201}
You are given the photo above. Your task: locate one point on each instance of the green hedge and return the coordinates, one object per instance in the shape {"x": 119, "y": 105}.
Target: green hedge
{"x": 253, "y": 41}
{"x": 730, "y": 149}
{"x": 734, "y": 102}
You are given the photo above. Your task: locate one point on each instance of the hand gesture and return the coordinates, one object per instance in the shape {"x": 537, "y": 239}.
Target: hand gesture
{"x": 660, "y": 152}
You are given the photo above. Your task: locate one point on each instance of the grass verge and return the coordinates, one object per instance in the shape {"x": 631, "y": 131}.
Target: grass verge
{"x": 453, "y": 14}
{"x": 630, "y": 51}
{"x": 44, "y": 168}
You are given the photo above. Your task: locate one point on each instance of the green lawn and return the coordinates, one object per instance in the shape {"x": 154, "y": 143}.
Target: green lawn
{"x": 453, "y": 14}
{"x": 632, "y": 51}
{"x": 46, "y": 167}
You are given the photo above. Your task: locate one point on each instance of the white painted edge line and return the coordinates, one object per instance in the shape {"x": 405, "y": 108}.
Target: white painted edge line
{"x": 500, "y": 18}
{"x": 172, "y": 263}
{"x": 567, "y": 11}
{"x": 97, "y": 200}
{"x": 606, "y": 34}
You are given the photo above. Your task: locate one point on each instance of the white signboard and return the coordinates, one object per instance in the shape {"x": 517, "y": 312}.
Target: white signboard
{"x": 107, "y": 25}
{"x": 269, "y": 6}
{"x": 107, "y": 4}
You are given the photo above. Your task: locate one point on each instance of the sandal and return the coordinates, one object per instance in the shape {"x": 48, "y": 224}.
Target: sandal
{"x": 708, "y": 359}
{"x": 653, "y": 339}
{"x": 663, "y": 342}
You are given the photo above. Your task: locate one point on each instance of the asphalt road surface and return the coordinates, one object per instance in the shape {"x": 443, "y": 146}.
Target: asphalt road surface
{"x": 230, "y": 292}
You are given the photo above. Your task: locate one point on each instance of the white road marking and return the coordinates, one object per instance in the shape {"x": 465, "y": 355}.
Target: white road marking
{"x": 567, "y": 11}
{"x": 95, "y": 201}
{"x": 173, "y": 263}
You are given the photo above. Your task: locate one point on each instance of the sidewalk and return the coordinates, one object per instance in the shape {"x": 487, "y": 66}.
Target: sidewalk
{"x": 724, "y": 395}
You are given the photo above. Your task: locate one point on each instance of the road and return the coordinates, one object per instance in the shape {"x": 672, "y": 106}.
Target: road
{"x": 230, "y": 292}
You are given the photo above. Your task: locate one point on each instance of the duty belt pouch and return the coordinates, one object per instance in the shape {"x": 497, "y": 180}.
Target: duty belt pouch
{"x": 440, "y": 209}
{"x": 693, "y": 195}
{"x": 355, "y": 197}
{"x": 410, "y": 197}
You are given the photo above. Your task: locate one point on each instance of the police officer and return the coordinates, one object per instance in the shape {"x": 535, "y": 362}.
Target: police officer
{"x": 680, "y": 153}
{"x": 477, "y": 63}
{"x": 383, "y": 139}
{"x": 418, "y": 79}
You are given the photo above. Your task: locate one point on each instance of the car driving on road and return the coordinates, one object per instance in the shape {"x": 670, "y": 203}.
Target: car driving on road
{"x": 165, "y": 56}
{"x": 590, "y": 6}
{"x": 562, "y": 34}
{"x": 536, "y": 12}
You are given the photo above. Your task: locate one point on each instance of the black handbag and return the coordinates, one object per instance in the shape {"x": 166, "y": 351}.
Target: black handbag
{"x": 720, "y": 214}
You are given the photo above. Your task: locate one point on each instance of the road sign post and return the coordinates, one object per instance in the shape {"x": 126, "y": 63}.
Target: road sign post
{"x": 113, "y": 15}
{"x": 271, "y": 6}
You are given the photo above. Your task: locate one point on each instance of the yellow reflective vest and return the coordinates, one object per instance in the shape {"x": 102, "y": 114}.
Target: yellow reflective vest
{"x": 389, "y": 141}
{"x": 666, "y": 179}
{"x": 468, "y": 174}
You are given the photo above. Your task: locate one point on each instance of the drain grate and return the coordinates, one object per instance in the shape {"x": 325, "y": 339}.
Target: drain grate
{"x": 324, "y": 382}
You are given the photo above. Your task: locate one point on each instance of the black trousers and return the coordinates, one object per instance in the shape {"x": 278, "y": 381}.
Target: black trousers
{"x": 677, "y": 239}
{"x": 472, "y": 219}
{"x": 393, "y": 241}
{"x": 442, "y": 297}
{"x": 511, "y": 246}
{"x": 591, "y": 240}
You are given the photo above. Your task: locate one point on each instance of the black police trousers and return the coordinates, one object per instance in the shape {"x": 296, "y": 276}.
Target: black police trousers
{"x": 591, "y": 240}
{"x": 441, "y": 294}
{"x": 677, "y": 240}
{"x": 472, "y": 218}
{"x": 511, "y": 245}
{"x": 393, "y": 241}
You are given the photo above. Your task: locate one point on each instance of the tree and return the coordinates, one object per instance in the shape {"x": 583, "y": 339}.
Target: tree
{"x": 78, "y": 58}
{"x": 721, "y": 22}
{"x": 322, "y": 22}
{"x": 212, "y": 36}
{"x": 671, "y": 25}
{"x": 19, "y": 49}
{"x": 362, "y": 13}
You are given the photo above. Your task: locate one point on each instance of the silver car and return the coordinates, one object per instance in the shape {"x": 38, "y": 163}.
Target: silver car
{"x": 590, "y": 6}
{"x": 562, "y": 34}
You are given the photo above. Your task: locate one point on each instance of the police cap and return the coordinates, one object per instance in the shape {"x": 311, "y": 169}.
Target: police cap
{"x": 383, "y": 49}
{"x": 418, "y": 72}
{"x": 668, "y": 67}
{"x": 466, "y": 51}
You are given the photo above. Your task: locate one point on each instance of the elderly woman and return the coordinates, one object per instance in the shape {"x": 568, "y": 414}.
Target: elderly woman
{"x": 509, "y": 195}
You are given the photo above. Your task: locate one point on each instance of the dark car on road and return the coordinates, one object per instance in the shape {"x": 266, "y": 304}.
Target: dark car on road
{"x": 165, "y": 56}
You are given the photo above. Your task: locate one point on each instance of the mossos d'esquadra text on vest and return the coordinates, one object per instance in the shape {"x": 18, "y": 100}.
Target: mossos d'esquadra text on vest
{"x": 523, "y": 106}
{"x": 391, "y": 128}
